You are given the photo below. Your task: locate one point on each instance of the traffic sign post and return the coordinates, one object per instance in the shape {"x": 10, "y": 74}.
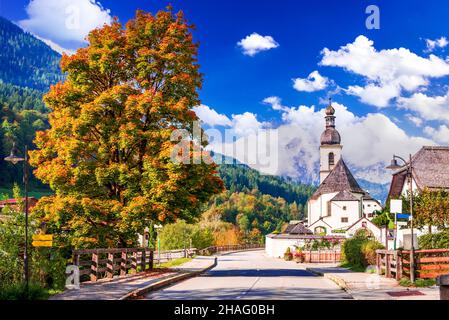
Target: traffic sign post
{"x": 395, "y": 207}
{"x": 42, "y": 240}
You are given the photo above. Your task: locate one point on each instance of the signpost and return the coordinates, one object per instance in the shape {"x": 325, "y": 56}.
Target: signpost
{"x": 395, "y": 207}
{"x": 42, "y": 240}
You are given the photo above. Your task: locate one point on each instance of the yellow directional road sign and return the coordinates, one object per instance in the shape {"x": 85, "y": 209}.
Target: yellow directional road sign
{"x": 42, "y": 243}
{"x": 42, "y": 240}
{"x": 43, "y": 237}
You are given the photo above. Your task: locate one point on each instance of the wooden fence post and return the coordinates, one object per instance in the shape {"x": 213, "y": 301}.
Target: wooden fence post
{"x": 398, "y": 266}
{"x": 379, "y": 262}
{"x": 143, "y": 262}
{"x": 151, "y": 262}
{"x": 94, "y": 267}
{"x": 134, "y": 262}
{"x": 387, "y": 266}
{"x": 123, "y": 262}
{"x": 110, "y": 266}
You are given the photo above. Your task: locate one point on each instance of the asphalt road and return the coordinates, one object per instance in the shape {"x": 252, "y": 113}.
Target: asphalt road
{"x": 252, "y": 275}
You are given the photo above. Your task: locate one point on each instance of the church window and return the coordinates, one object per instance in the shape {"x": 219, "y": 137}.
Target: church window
{"x": 344, "y": 220}
{"x": 331, "y": 159}
{"x": 344, "y": 208}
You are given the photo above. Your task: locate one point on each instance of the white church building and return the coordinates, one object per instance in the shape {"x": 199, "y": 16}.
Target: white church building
{"x": 338, "y": 208}
{"x": 339, "y": 202}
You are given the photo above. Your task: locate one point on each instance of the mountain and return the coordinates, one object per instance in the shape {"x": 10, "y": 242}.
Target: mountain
{"x": 377, "y": 190}
{"x": 239, "y": 177}
{"x": 26, "y": 61}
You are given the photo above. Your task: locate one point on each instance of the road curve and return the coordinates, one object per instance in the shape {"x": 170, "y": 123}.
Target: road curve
{"x": 252, "y": 275}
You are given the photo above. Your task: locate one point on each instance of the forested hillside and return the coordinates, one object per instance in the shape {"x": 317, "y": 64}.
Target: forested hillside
{"x": 27, "y": 69}
{"x": 25, "y": 60}
{"x": 239, "y": 177}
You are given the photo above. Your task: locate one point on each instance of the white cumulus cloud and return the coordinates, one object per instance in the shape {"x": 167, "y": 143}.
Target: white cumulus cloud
{"x": 211, "y": 117}
{"x": 417, "y": 121}
{"x": 387, "y": 72}
{"x": 246, "y": 124}
{"x": 428, "y": 107}
{"x": 314, "y": 82}
{"x": 64, "y": 21}
{"x": 255, "y": 43}
{"x": 440, "y": 135}
{"x": 437, "y": 43}
{"x": 368, "y": 142}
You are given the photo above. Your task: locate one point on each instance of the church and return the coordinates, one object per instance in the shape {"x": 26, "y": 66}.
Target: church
{"x": 339, "y": 202}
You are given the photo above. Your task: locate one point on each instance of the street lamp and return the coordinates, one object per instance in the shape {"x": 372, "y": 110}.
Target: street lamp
{"x": 14, "y": 159}
{"x": 395, "y": 166}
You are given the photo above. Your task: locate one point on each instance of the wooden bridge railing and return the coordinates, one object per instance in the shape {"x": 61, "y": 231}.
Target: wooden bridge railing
{"x": 389, "y": 263}
{"x": 236, "y": 247}
{"x": 95, "y": 264}
{"x": 429, "y": 264}
{"x": 106, "y": 263}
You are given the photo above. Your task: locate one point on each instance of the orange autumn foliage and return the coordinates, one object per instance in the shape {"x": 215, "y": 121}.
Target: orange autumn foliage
{"x": 107, "y": 152}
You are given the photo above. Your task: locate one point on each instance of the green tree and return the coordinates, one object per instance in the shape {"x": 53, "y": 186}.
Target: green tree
{"x": 46, "y": 264}
{"x": 431, "y": 208}
{"x": 179, "y": 235}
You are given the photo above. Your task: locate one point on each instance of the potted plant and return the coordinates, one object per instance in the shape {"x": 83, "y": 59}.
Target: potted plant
{"x": 288, "y": 255}
{"x": 299, "y": 256}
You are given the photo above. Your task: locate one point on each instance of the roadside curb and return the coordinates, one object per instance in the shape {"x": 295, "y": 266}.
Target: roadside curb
{"x": 339, "y": 281}
{"x": 166, "y": 282}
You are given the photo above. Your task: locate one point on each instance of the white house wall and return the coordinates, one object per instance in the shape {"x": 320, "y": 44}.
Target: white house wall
{"x": 377, "y": 232}
{"x": 318, "y": 207}
{"x": 276, "y": 248}
{"x": 352, "y": 212}
{"x": 370, "y": 206}
{"x": 406, "y": 187}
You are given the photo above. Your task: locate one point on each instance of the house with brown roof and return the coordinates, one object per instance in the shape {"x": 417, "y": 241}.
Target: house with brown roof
{"x": 430, "y": 170}
{"x": 339, "y": 201}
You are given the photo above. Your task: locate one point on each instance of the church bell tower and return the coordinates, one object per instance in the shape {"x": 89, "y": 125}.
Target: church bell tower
{"x": 330, "y": 148}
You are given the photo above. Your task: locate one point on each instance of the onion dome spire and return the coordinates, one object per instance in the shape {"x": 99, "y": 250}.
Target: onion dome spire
{"x": 330, "y": 135}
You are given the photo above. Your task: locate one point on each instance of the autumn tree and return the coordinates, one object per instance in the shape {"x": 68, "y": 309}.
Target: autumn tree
{"x": 431, "y": 208}
{"x": 107, "y": 154}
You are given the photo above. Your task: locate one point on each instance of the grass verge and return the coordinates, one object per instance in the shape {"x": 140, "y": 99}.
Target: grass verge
{"x": 18, "y": 292}
{"x": 419, "y": 283}
{"x": 172, "y": 263}
{"x": 355, "y": 268}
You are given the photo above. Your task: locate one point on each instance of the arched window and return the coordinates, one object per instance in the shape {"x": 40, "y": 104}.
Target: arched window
{"x": 331, "y": 159}
{"x": 320, "y": 231}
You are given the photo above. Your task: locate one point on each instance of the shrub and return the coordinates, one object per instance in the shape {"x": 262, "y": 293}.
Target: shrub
{"x": 288, "y": 256}
{"x": 360, "y": 251}
{"x": 47, "y": 265}
{"x": 18, "y": 292}
{"x": 369, "y": 251}
{"x": 434, "y": 241}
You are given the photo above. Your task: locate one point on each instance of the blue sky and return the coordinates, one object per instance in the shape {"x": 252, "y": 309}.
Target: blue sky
{"x": 393, "y": 85}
